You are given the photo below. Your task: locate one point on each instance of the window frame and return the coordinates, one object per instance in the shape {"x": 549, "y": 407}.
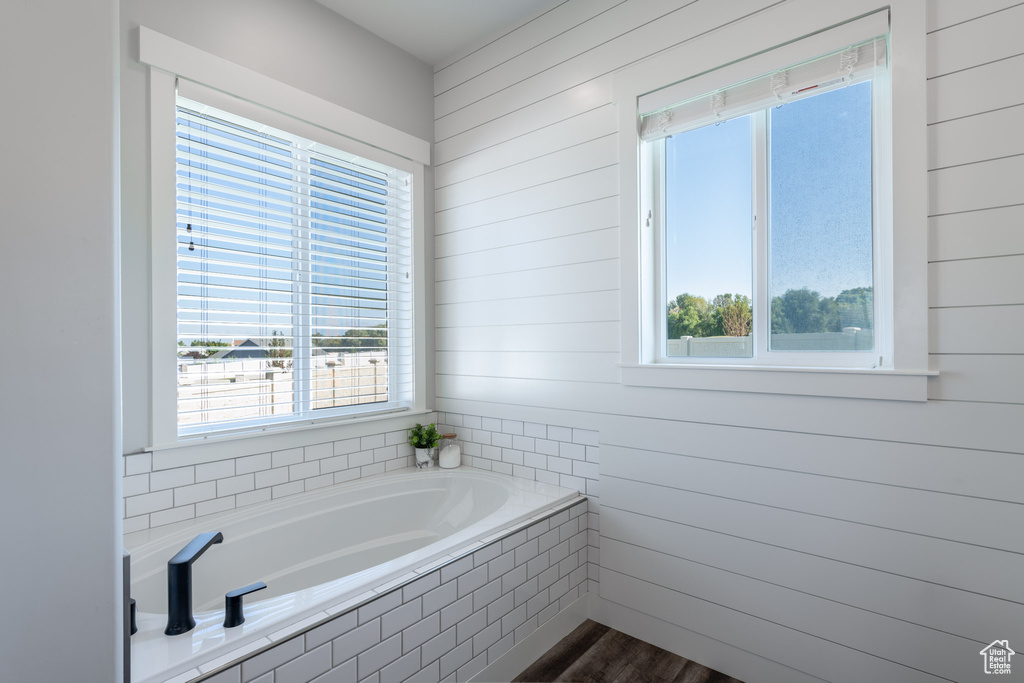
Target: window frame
{"x": 800, "y": 31}
{"x": 652, "y": 171}
{"x": 245, "y": 93}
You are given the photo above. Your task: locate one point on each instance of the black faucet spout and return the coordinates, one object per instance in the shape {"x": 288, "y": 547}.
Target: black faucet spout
{"x": 179, "y": 583}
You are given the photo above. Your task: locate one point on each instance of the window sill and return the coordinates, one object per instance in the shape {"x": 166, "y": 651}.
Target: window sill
{"x": 201, "y": 449}
{"x": 887, "y": 385}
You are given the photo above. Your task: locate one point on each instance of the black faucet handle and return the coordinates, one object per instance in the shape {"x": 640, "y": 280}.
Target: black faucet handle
{"x": 196, "y": 547}
{"x": 233, "y": 603}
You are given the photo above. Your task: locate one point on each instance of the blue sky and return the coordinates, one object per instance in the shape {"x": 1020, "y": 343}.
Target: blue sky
{"x": 820, "y": 200}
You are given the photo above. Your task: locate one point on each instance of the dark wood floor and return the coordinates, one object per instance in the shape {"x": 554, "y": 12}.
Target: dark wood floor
{"x": 595, "y": 653}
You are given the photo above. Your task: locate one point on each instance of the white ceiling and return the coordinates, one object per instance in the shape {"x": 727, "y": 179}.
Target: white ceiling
{"x": 434, "y": 30}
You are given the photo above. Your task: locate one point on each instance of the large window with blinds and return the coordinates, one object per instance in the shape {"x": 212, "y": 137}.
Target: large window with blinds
{"x": 768, "y": 205}
{"x": 294, "y": 295}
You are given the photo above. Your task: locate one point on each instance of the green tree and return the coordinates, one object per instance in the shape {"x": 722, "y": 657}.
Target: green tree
{"x": 688, "y": 315}
{"x": 734, "y": 315}
{"x": 276, "y": 350}
{"x": 856, "y": 308}
{"x": 798, "y": 311}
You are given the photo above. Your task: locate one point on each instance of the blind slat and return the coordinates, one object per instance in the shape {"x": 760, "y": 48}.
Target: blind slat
{"x": 292, "y": 249}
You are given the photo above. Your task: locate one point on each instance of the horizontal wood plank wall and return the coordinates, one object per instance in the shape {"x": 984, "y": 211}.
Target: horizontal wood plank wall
{"x": 849, "y": 540}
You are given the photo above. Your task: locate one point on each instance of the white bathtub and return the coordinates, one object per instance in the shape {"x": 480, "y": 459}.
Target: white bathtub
{"x": 319, "y": 554}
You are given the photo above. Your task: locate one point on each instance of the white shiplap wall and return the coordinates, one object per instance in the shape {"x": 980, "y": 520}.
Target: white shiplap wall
{"x": 776, "y": 538}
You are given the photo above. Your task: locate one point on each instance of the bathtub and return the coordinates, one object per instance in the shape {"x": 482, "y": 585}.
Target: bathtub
{"x": 320, "y": 553}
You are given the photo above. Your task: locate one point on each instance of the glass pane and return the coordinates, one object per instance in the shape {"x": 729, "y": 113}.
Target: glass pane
{"x": 820, "y": 268}
{"x": 708, "y": 246}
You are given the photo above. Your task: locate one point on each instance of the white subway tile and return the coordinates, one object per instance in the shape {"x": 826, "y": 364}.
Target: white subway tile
{"x": 209, "y": 507}
{"x": 135, "y": 524}
{"x": 252, "y": 497}
{"x": 368, "y": 443}
{"x": 490, "y": 424}
{"x": 571, "y": 482}
{"x": 355, "y": 641}
{"x": 512, "y": 456}
{"x": 587, "y": 470}
{"x": 491, "y": 452}
{"x": 396, "y": 438}
{"x": 135, "y": 485}
{"x": 523, "y": 443}
{"x": 138, "y": 463}
{"x": 437, "y": 646}
{"x": 471, "y": 625}
{"x": 524, "y": 472}
{"x": 318, "y": 451}
{"x": 252, "y": 463}
{"x": 306, "y": 667}
{"x": 291, "y": 456}
{"x": 148, "y": 502}
{"x": 346, "y": 446}
{"x": 172, "y": 515}
{"x": 168, "y": 479}
{"x": 195, "y": 493}
{"x": 345, "y": 476}
{"x": 209, "y": 471}
{"x": 486, "y": 637}
{"x": 587, "y": 437}
{"x": 333, "y": 464}
{"x": 420, "y": 632}
{"x": 593, "y": 454}
{"x": 547, "y": 477}
{"x": 546, "y": 447}
{"x": 503, "y": 467}
{"x": 560, "y": 465}
{"x": 377, "y": 607}
{"x": 360, "y": 459}
{"x": 501, "y": 440}
{"x": 267, "y": 478}
{"x": 500, "y": 607}
{"x": 370, "y": 470}
{"x": 385, "y": 453}
{"x": 572, "y": 450}
{"x": 454, "y": 419}
{"x": 512, "y": 427}
{"x": 400, "y": 618}
{"x": 233, "y": 485}
{"x": 535, "y": 430}
{"x": 480, "y": 436}
{"x": 319, "y": 482}
{"x": 472, "y": 422}
{"x": 559, "y": 433}
{"x": 401, "y": 669}
{"x": 456, "y": 612}
{"x": 289, "y": 489}
{"x": 440, "y": 597}
{"x": 398, "y": 464}
{"x": 330, "y": 630}
{"x": 379, "y": 656}
{"x": 304, "y": 470}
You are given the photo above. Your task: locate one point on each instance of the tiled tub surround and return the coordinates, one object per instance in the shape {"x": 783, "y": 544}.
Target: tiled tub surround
{"x": 446, "y": 622}
{"x": 554, "y": 454}
{"x": 155, "y": 496}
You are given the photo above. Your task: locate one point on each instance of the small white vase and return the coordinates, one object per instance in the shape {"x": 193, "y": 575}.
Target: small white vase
{"x": 423, "y": 457}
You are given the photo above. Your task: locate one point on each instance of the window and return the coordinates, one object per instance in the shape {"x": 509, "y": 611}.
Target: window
{"x": 684, "y": 89}
{"x": 769, "y": 211}
{"x": 294, "y": 294}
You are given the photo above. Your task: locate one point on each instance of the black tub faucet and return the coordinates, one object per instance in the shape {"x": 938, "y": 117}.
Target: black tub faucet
{"x": 179, "y": 583}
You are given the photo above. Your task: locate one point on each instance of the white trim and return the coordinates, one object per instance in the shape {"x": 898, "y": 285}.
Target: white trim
{"x": 530, "y": 649}
{"x": 163, "y": 258}
{"x": 251, "y": 95}
{"x": 791, "y": 21}
{"x": 191, "y": 63}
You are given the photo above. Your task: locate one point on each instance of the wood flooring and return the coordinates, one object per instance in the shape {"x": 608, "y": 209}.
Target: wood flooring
{"x": 595, "y": 653}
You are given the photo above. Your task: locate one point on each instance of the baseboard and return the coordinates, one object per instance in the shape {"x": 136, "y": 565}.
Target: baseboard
{"x": 529, "y": 650}
{"x": 728, "y": 659}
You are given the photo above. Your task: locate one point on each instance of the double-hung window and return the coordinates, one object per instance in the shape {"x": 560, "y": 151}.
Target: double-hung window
{"x": 294, "y": 296}
{"x": 768, "y": 205}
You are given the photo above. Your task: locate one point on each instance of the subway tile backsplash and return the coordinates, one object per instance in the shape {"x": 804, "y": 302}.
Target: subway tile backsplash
{"x": 556, "y": 454}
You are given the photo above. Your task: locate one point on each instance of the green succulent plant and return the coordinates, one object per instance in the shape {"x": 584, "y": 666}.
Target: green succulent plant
{"x": 424, "y": 437}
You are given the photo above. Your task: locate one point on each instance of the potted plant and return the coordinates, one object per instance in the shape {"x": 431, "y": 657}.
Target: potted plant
{"x": 424, "y": 440}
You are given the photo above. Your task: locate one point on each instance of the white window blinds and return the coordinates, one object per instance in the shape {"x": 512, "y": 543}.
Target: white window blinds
{"x": 855, "y": 62}
{"x": 293, "y": 277}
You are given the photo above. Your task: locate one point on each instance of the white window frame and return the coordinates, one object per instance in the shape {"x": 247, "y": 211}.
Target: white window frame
{"x": 798, "y": 31}
{"x": 251, "y": 95}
